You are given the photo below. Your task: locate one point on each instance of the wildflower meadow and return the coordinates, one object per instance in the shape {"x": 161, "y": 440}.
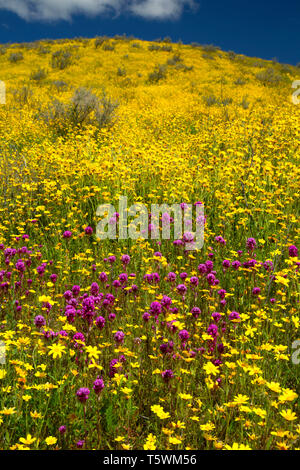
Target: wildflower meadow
{"x": 140, "y": 342}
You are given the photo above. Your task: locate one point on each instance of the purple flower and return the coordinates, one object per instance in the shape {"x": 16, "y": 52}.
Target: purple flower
{"x": 167, "y": 375}
{"x": 195, "y": 312}
{"x": 67, "y": 234}
{"x": 211, "y": 279}
{"x": 125, "y": 260}
{"x": 155, "y": 308}
{"x": 171, "y": 277}
{"x": 94, "y": 289}
{"x": 103, "y": 277}
{"x": 234, "y": 316}
{"x": 100, "y": 322}
{"x": 293, "y": 251}
{"x": 79, "y": 337}
{"x": 222, "y": 293}
{"x": 62, "y": 429}
{"x": 194, "y": 281}
{"x": 82, "y": 394}
{"x": 146, "y": 316}
{"x": 256, "y": 291}
{"x": 119, "y": 337}
{"x": 98, "y": 385}
{"x": 251, "y": 243}
{"x": 53, "y": 278}
{"x": 216, "y": 316}
{"x": 183, "y": 335}
{"x": 220, "y": 240}
{"x": 202, "y": 268}
{"x": 20, "y": 266}
{"x": 166, "y": 301}
{"x": 236, "y": 264}
{"x": 226, "y": 264}
{"x": 39, "y": 321}
{"x": 181, "y": 288}
{"x": 212, "y": 330}
{"x": 268, "y": 265}
{"x": 75, "y": 290}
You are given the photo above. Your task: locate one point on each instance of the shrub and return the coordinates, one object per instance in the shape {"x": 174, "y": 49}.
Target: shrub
{"x": 174, "y": 60}
{"x": 38, "y": 75}
{"x": 100, "y": 40}
{"x": 108, "y": 47}
{"x": 22, "y": 95}
{"x": 16, "y": 57}
{"x": 240, "y": 81}
{"x": 183, "y": 67}
{"x": 166, "y": 48}
{"x": 245, "y": 104}
{"x": 158, "y": 74}
{"x": 209, "y": 48}
{"x": 121, "y": 72}
{"x": 43, "y": 50}
{"x": 269, "y": 77}
{"x": 226, "y": 101}
{"x": 84, "y": 109}
{"x": 2, "y": 50}
{"x": 154, "y": 47}
{"x": 60, "y": 85}
{"x": 209, "y": 100}
{"x": 207, "y": 56}
{"x": 231, "y": 55}
{"x": 61, "y": 59}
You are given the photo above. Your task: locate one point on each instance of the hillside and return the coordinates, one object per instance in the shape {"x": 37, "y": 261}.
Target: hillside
{"x": 196, "y": 349}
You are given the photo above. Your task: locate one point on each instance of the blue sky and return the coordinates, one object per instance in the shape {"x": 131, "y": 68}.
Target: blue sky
{"x": 259, "y": 28}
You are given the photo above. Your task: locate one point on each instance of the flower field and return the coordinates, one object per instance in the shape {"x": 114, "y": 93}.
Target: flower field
{"x": 142, "y": 344}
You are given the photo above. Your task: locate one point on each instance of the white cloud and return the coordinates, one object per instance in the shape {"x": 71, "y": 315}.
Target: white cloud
{"x": 47, "y": 10}
{"x": 159, "y": 9}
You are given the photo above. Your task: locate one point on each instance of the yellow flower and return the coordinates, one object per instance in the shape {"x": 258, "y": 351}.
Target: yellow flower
{"x": 50, "y": 440}
{"x": 210, "y": 368}
{"x": 56, "y": 350}
{"x": 185, "y": 396}
{"x": 126, "y": 446}
{"x": 8, "y": 411}
{"x": 159, "y": 411}
{"x": 240, "y": 399}
{"x": 26, "y": 397}
{"x": 93, "y": 352}
{"x": 28, "y": 440}
{"x": 274, "y": 386}
{"x": 287, "y": 395}
{"x": 35, "y": 414}
{"x": 289, "y": 415}
{"x": 174, "y": 440}
{"x": 150, "y": 442}
{"x": 236, "y": 446}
